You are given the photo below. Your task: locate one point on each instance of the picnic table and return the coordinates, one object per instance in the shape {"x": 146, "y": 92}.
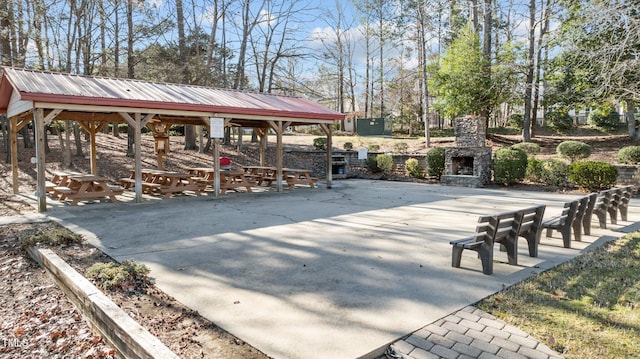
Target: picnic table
{"x": 229, "y": 179}
{"x": 79, "y": 187}
{"x": 162, "y": 182}
{"x": 263, "y": 175}
{"x": 171, "y": 182}
{"x": 296, "y": 176}
{"x": 59, "y": 179}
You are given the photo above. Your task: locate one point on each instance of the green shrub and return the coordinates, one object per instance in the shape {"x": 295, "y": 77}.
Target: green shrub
{"x": 593, "y": 175}
{"x": 555, "y": 172}
{"x": 54, "y": 236}
{"x": 605, "y": 117}
{"x": 509, "y": 165}
{"x": 558, "y": 120}
{"x": 112, "y": 275}
{"x": 516, "y": 121}
{"x": 629, "y": 155}
{"x": 372, "y": 165}
{"x": 400, "y": 147}
{"x": 320, "y": 143}
{"x": 534, "y": 170}
{"x": 573, "y": 150}
{"x": 374, "y": 147}
{"x": 435, "y": 162}
{"x": 348, "y": 146}
{"x": 385, "y": 163}
{"x": 530, "y": 148}
{"x": 412, "y": 166}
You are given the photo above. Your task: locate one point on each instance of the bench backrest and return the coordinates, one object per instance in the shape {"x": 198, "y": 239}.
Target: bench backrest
{"x": 485, "y": 229}
{"x": 507, "y": 224}
{"x": 583, "y": 203}
{"x": 593, "y": 198}
{"x": 569, "y": 212}
{"x": 604, "y": 197}
{"x": 531, "y": 220}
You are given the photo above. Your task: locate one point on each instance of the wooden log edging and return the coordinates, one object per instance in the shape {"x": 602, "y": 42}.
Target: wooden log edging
{"x": 128, "y": 337}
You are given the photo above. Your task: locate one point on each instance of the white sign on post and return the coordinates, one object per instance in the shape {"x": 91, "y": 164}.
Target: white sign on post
{"x": 216, "y": 127}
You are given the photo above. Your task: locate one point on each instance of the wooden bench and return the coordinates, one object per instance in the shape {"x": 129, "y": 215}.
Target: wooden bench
{"x": 576, "y": 225}
{"x": 588, "y": 213}
{"x": 626, "y": 193}
{"x": 604, "y": 205}
{"x": 147, "y": 187}
{"x": 529, "y": 228}
{"x": 563, "y": 222}
{"x": 482, "y": 242}
{"x": 127, "y": 182}
{"x": 63, "y": 192}
{"x": 503, "y": 228}
{"x": 169, "y": 190}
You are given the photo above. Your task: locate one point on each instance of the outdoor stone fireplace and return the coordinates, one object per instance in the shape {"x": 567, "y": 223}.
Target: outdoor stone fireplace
{"x": 468, "y": 164}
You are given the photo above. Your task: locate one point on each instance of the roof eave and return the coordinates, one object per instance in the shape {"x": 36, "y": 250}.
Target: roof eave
{"x": 83, "y": 100}
{"x": 6, "y": 87}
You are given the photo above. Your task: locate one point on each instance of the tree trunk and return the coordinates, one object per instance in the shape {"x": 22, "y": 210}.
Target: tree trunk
{"x": 526, "y": 130}
{"x": 634, "y": 126}
{"x": 77, "y": 139}
{"x": 189, "y": 130}
{"x": 536, "y": 81}
{"x": 5, "y": 39}
{"x": 130, "y": 73}
{"x": 486, "y": 59}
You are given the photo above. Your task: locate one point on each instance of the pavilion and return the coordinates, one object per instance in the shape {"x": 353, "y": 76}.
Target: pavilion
{"x": 93, "y": 102}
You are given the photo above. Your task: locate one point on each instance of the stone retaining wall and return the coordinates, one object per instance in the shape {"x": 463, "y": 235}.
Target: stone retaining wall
{"x": 316, "y": 160}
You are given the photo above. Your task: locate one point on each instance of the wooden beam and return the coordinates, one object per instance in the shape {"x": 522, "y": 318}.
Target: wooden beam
{"x": 120, "y": 109}
{"x": 51, "y": 116}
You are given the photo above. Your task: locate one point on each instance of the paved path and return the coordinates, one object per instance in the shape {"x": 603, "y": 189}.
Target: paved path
{"x": 470, "y": 333}
{"x": 320, "y": 273}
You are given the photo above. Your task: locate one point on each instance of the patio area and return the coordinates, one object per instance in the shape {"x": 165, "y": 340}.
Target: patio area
{"x": 314, "y": 273}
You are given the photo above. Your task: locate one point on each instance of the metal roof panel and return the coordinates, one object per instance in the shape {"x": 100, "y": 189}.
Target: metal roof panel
{"x": 89, "y": 90}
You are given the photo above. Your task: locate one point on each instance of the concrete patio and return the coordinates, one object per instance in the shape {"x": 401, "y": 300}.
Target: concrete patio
{"x": 317, "y": 273}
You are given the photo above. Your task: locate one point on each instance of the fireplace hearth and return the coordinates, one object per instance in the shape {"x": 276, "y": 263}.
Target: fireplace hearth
{"x": 468, "y": 163}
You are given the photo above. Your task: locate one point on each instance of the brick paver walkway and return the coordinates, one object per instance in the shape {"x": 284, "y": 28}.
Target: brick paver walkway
{"x": 470, "y": 333}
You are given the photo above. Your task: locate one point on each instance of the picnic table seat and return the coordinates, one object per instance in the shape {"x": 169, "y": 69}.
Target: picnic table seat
{"x": 563, "y": 222}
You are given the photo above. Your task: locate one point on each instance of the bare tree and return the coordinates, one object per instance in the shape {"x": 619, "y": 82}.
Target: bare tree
{"x": 526, "y": 131}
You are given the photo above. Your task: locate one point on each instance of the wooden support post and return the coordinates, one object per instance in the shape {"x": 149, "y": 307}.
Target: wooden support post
{"x": 216, "y": 167}
{"x": 38, "y": 125}
{"x": 278, "y": 126}
{"x": 328, "y": 130}
{"x": 262, "y": 136}
{"x": 137, "y": 122}
{"x": 13, "y": 133}
{"x": 92, "y": 127}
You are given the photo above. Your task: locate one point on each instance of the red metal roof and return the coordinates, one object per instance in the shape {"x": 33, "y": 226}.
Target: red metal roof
{"x": 63, "y": 88}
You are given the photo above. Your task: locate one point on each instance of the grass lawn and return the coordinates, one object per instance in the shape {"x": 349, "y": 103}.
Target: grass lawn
{"x": 588, "y": 307}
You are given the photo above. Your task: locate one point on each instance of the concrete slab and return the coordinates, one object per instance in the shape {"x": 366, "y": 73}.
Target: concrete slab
{"x": 317, "y": 273}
